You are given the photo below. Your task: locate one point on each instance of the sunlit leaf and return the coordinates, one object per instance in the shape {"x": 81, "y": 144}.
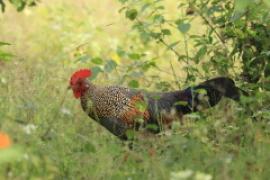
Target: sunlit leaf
{"x": 4, "y": 56}
{"x": 193, "y": 116}
{"x": 97, "y": 60}
{"x": 200, "y": 91}
{"x": 202, "y": 51}
{"x": 134, "y": 56}
{"x": 182, "y": 103}
{"x": 153, "y": 127}
{"x": 141, "y": 106}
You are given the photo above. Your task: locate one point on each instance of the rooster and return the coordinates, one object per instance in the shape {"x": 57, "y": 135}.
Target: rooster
{"x": 120, "y": 109}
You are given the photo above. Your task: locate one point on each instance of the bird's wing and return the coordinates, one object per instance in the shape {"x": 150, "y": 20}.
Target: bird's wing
{"x": 116, "y": 108}
{"x": 115, "y": 126}
{"x": 135, "y": 112}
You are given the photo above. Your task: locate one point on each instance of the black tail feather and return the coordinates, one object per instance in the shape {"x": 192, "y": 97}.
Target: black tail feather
{"x": 210, "y": 92}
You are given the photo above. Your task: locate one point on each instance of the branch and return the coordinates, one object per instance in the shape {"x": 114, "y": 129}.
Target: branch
{"x": 209, "y": 23}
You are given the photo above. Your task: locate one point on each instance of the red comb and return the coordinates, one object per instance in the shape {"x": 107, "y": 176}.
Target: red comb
{"x": 80, "y": 74}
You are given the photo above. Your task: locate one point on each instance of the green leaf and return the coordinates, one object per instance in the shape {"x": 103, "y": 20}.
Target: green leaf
{"x": 130, "y": 134}
{"x": 97, "y": 60}
{"x": 159, "y": 19}
{"x": 120, "y": 52}
{"x": 4, "y": 43}
{"x": 3, "y": 6}
{"x": 134, "y": 56}
{"x": 95, "y": 71}
{"x": 181, "y": 103}
{"x": 147, "y": 65}
{"x": 202, "y": 51}
{"x": 172, "y": 45}
{"x": 110, "y": 66}
{"x": 183, "y": 27}
{"x": 166, "y": 32}
{"x": 20, "y": 5}
{"x": 131, "y": 14}
{"x": 160, "y": 8}
{"x": 139, "y": 119}
{"x": 133, "y": 84}
{"x": 200, "y": 91}
{"x": 141, "y": 106}
{"x": 153, "y": 127}
{"x": 5, "y": 56}
{"x": 193, "y": 116}
{"x": 156, "y": 35}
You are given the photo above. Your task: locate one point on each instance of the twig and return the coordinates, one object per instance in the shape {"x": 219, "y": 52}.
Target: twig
{"x": 187, "y": 57}
{"x": 172, "y": 68}
{"x": 172, "y": 49}
{"x": 207, "y": 21}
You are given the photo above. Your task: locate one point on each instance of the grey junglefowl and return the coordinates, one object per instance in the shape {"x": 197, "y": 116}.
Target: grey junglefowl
{"x": 120, "y": 109}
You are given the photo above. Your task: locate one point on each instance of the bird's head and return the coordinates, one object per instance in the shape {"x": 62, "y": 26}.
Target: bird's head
{"x": 78, "y": 82}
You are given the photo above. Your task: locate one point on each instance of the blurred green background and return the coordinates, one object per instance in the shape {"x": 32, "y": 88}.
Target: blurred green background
{"x": 54, "y": 139}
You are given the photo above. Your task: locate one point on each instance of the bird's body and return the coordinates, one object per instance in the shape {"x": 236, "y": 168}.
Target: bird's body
{"x": 120, "y": 109}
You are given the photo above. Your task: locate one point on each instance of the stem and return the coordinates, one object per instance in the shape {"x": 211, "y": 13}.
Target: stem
{"x": 172, "y": 68}
{"x": 187, "y": 57}
{"x": 172, "y": 49}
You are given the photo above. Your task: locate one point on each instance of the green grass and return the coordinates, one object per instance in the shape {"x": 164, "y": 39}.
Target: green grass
{"x": 223, "y": 142}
